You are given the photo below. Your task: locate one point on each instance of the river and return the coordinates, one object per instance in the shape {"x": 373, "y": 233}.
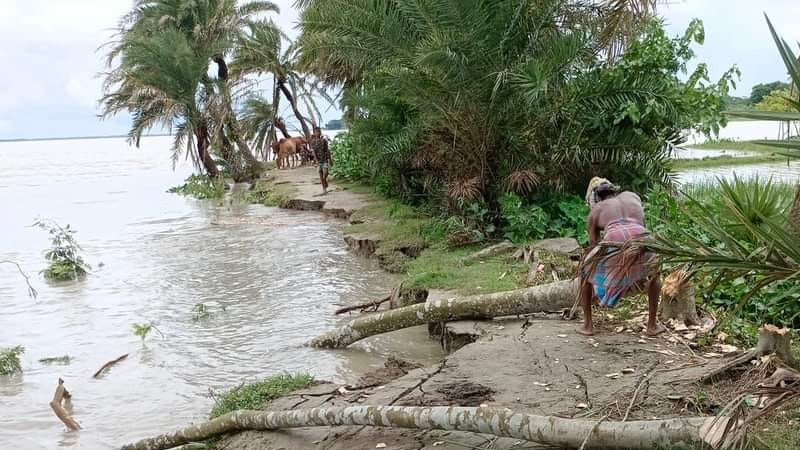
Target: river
{"x": 270, "y": 278}
{"x": 785, "y": 171}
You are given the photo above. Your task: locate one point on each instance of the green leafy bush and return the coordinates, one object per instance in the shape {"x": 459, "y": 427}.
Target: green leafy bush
{"x": 523, "y": 222}
{"x": 200, "y": 187}
{"x": 64, "y": 256}
{"x": 348, "y": 163}
{"x": 256, "y": 395}
{"x": 9, "y": 360}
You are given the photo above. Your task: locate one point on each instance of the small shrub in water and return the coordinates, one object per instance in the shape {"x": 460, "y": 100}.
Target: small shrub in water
{"x": 200, "y": 187}
{"x": 9, "y": 360}
{"x": 200, "y": 312}
{"x": 256, "y": 395}
{"x": 142, "y": 330}
{"x": 64, "y": 254}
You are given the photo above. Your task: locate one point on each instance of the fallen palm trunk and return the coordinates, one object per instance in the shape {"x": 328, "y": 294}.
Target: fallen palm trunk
{"x": 549, "y": 430}
{"x": 547, "y": 297}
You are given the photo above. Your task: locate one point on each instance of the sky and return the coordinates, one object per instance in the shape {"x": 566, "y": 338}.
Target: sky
{"x": 49, "y": 48}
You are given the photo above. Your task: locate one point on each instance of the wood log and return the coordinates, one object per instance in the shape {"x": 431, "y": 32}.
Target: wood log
{"x": 108, "y": 365}
{"x": 546, "y": 297}
{"x": 63, "y": 395}
{"x": 679, "y": 433}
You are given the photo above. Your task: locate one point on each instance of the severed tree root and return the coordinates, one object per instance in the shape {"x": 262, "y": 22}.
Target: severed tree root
{"x": 771, "y": 340}
{"x": 678, "y": 433}
{"x": 63, "y": 395}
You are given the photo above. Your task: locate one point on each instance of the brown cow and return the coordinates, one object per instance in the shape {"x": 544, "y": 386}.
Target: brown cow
{"x": 287, "y": 151}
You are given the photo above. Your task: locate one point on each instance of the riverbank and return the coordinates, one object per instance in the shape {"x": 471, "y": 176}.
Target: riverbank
{"x": 531, "y": 364}
{"x": 743, "y": 153}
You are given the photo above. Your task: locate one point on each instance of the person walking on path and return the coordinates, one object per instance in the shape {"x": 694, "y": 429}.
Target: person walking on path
{"x": 322, "y": 153}
{"x": 607, "y": 274}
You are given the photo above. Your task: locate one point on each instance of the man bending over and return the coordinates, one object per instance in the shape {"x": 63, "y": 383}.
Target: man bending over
{"x": 605, "y": 274}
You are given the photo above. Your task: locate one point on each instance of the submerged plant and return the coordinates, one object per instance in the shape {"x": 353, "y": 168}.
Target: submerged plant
{"x": 9, "y": 360}
{"x": 63, "y": 360}
{"x": 200, "y": 187}
{"x": 142, "y": 330}
{"x": 64, "y": 256}
{"x": 200, "y": 312}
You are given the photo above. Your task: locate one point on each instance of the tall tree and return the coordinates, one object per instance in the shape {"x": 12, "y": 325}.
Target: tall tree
{"x": 212, "y": 28}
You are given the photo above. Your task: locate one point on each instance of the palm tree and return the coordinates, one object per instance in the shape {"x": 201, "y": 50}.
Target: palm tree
{"x": 159, "y": 81}
{"x": 257, "y": 123}
{"x": 260, "y": 51}
{"x": 471, "y": 93}
{"x": 212, "y": 28}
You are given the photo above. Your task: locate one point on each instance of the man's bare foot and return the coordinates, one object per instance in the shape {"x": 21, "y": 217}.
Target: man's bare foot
{"x": 586, "y": 330}
{"x": 655, "y": 330}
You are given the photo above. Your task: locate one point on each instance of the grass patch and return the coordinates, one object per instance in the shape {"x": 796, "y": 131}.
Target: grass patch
{"x": 256, "y": 395}
{"x": 722, "y": 161}
{"x": 9, "y": 360}
{"x": 730, "y": 144}
{"x": 438, "y": 268}
{"x": 267, "y": 193}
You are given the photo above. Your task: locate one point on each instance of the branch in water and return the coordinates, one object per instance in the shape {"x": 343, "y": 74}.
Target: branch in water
{"x": 31, "y": 291}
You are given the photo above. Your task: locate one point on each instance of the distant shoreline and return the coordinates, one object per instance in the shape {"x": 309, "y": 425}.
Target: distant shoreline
{"x": 68, "y": 138}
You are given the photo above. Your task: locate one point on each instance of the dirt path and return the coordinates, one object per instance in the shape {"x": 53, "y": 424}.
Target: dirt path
{"x": 306, "y": 193}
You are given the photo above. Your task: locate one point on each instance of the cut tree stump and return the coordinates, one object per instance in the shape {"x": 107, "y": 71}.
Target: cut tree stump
{"x": 60, "y": 398}
{"x": 678, "y": 299}
{"x": 771, "y": 340}
{"x": 546, "y": 297}
{"x": 679, "y": 433}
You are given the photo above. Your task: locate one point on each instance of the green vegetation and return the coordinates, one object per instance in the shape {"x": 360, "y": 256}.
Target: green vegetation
{"x": 200, "y": 312}
{"x": 258, "y": 394}
{"x": 9, "y": 360}
{"x": 65, "y": 261}
{"x": 762, "y": 90}
{"x": 730, "y": 144}
{"x": 62, "y": 360}
{"x": 142, "y": 330}
{"x": 442, "y": 119}
{"x": 779, "y": 100}
{"x": 201, "y": 187}
{"x": 267, "y": 193}
{"x": 722, "y": 161}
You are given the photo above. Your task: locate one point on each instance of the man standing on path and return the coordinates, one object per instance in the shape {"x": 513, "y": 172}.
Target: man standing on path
{"x": 319, "y": 144}
{"x": 606, "y": 272}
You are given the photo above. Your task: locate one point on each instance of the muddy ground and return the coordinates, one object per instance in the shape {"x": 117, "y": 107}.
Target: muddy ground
{"x": 536, "y": 366}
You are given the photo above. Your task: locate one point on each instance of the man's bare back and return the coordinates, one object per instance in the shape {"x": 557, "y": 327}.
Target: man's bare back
{"x": 625, "y": 205}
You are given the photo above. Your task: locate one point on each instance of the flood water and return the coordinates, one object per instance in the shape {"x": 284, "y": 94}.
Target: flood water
{"x": 270, "y": 279}
{"x": 785, "y": 171}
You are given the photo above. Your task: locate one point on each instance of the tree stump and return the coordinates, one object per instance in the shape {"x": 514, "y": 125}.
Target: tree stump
{"x": 771, "y": 340}
{"x": 678, "y": 299}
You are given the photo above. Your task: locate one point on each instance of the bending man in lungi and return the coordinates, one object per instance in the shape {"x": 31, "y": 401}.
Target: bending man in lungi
{"x": 609, "y": 277}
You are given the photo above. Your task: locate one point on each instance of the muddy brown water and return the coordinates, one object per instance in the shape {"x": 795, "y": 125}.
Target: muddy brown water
{"x": 270, "y": 279}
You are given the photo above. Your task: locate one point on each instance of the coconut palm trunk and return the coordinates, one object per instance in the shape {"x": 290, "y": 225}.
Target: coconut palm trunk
{"x": 547, "y": 297}
{"x": 680, "y": 433}
{"x": 293, "y": 102}
{"x": 203, "y": 155}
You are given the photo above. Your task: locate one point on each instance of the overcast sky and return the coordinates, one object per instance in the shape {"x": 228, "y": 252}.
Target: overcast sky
{"x": 48, "y": 85}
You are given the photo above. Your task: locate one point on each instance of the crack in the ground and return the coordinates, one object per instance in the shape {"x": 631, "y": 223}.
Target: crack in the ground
{"x": 420, "y": 383}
